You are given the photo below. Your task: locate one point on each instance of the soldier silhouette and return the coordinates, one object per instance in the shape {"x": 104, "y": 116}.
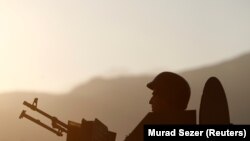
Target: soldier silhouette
{"x": 171, "y": 94}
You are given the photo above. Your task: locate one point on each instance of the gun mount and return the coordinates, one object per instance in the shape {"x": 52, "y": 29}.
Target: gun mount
{"x": 86, "y": 131}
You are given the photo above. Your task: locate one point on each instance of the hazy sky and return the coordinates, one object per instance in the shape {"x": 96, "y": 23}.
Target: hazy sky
{"x": 53, "y": 45}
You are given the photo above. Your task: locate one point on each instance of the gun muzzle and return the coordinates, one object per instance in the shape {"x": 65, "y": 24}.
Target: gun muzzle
{"x": 22, "y": 114}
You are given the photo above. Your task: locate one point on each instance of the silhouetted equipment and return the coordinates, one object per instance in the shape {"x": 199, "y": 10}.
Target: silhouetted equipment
{"x": 214, "y": 106}
{"x": 86, "y": 131}
{"x": 89, "y": 131}
{"x": 168, "y": 88}
{"x": 56, "y": 124}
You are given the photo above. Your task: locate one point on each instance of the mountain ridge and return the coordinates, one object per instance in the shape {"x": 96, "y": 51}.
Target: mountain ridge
{"x": 121, "y": 102}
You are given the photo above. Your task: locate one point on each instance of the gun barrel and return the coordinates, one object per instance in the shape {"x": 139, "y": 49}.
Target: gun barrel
{"x": 23, "y": 114}
{"x": 54, "y": 119}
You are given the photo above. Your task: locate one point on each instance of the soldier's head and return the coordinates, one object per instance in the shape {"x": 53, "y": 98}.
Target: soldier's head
{"x": 171, "y": 92}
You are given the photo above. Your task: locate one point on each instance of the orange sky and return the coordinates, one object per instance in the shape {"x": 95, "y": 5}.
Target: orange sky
{"x": 53, "y": 45}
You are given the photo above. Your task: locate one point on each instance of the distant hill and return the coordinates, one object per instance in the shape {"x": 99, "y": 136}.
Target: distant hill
{"x": 120, "y": 102}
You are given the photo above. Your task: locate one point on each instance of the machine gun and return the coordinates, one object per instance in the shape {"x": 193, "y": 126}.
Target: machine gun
{"x": 86, "y": 131}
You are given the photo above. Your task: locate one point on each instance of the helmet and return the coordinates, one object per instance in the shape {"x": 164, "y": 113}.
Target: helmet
{"x": 173, "y": 86}
{"x": 164, "y": 79}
